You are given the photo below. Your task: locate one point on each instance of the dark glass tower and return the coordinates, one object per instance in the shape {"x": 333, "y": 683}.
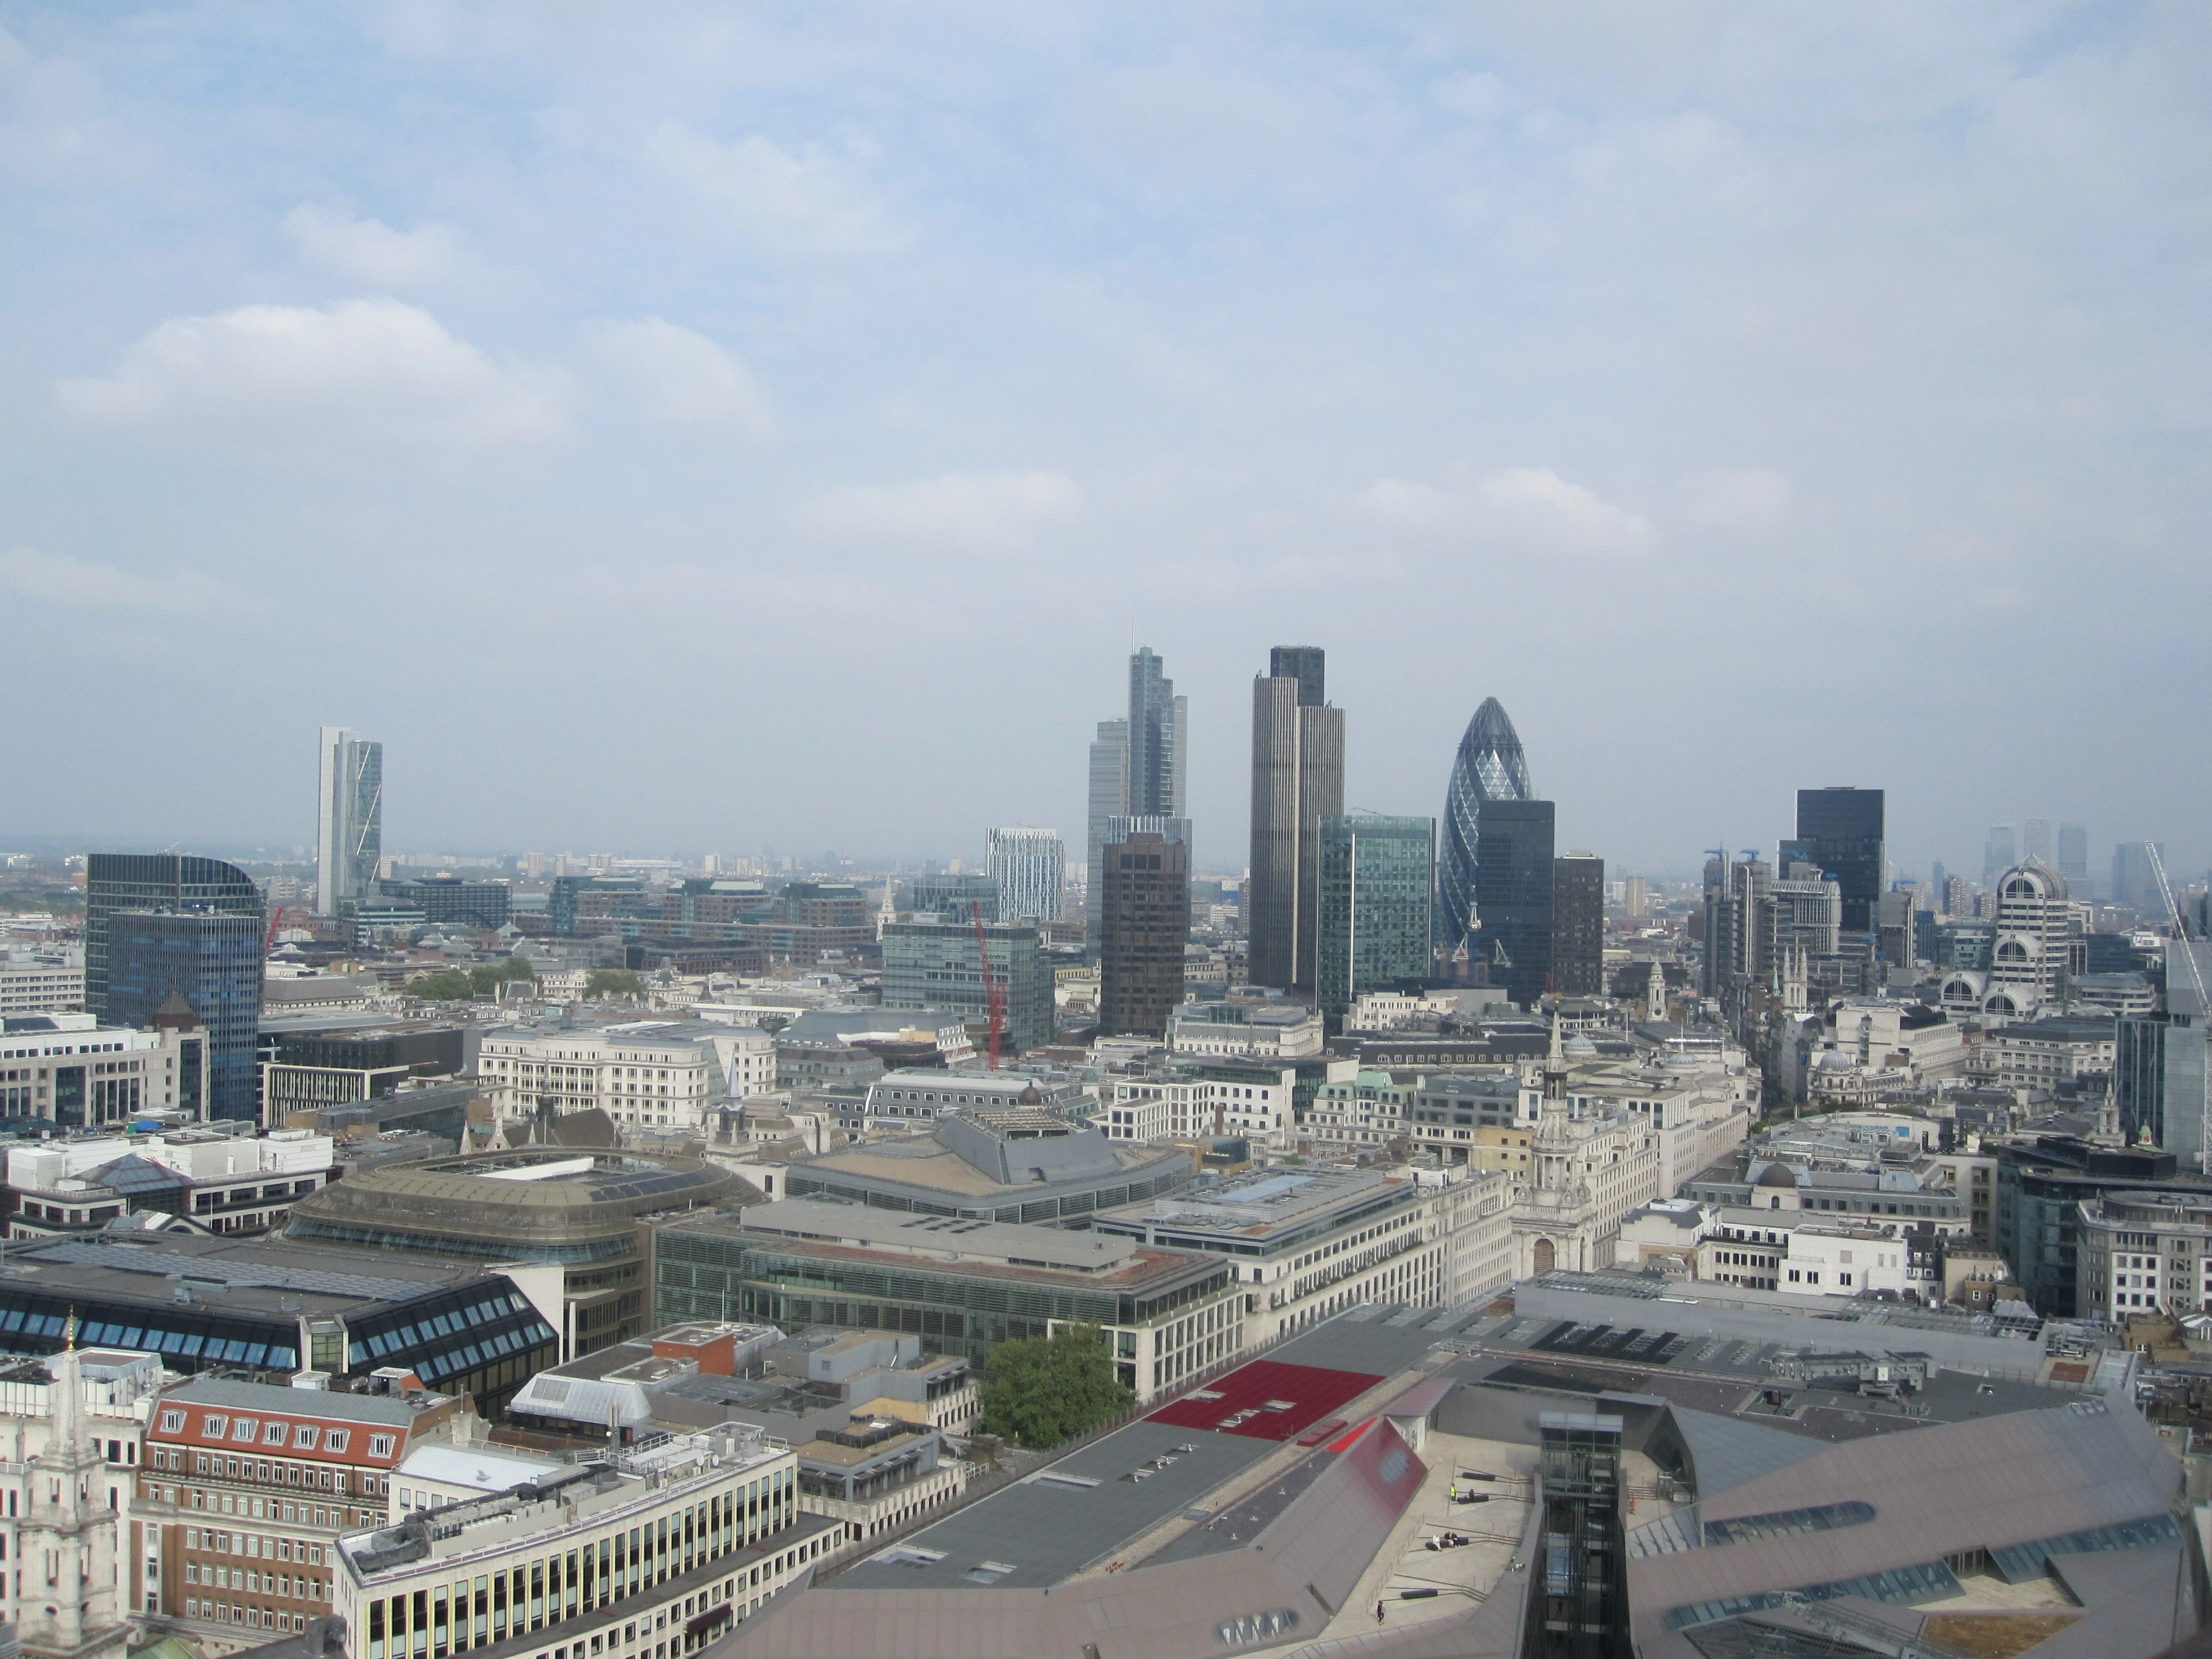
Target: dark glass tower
{"x": 1372, "y": 918}
{"x": 1840, "y": 829}
{"x": 1297, "y": 780}
{"x": 1490, "y": 766}
{"x": 1146, "y": 924}
{"x": 1511, "y": 945}
{"x": 213, "y": 961}
{"x": 155, "y": 881}
{"x": 1579, "y": 925}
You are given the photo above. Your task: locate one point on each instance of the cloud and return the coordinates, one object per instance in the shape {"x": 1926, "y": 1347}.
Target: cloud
{"x": 680, "y": 379}
{"x": 1522, "y": 505}
{"x": 807, "y": 201}
{"x": 368, "y": 251}
{"x": 58, "y": 579}
{"x": 366, "y": 369}
{"x": 987, "y": 513}
{"x": 1750, "y": 502}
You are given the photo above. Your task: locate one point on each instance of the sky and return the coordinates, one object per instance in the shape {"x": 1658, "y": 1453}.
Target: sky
{"x": 723, "y": 427}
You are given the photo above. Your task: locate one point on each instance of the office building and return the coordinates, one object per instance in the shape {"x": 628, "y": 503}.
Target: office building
{"x": 450, "y": 901}
{"x": 641, "y": 1554}
{"x": 654, "y": 1073}
{"x": 154, "y": 881}
{"x": 318, "y": 1465}
{"x": 212, "y": 960}
{"x": 961, "y": 1286}
{"x": 940, "y": 966}
{"x": 2074, "y": 858}
{"x": 586, "y": 1214}
{"x": 1579, "y": 925}
{"x": 1840, "y": 829}
{"x": 1490, "y": 766}
{"x": 1028, "y": 868}
{"x": 1511, "y": 945}
{"x": 2135, "y": 877}
{"x": 42, "y": 983}
{"x": 1371, "y": 922}
{"x": 79, "y": 1074}
{"x": 1158, "y": 740}
{"x": 1145, "y": 914}
{"x": 2035, "y": 840}
{"x": 1999, "y": 853}
{"x": 1108, "y": 799}
{"x": 348, "y": 818}
{"x": 956, "y": 898}
{"x": 226, "y": 1183}
{"x": 2186, "y": 1108}
{"x": 1297, "y": 780}
{"x": 2028, "y": 960}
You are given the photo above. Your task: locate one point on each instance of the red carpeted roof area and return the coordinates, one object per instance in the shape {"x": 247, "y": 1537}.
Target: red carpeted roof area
{"x": 1265, "y": 1400}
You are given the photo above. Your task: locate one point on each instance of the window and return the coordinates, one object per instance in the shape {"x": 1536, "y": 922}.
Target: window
{"x": 379, "y": 1446}
{"x": 247, "y": 1429}
{"x": 334, "y": 1440}
{"x": 276, "y": 1434}
{"x": 214, "y": 1427}
{"x": 173, "y": 1422}
{"x": 305, "y": 1436}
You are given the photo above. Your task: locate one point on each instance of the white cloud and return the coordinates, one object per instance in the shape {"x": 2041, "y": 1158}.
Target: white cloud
{"x": 1750, "y": 502}
{"x": 366, "y": 369}
{"x": 58, "y": 579}
{"x": 1521, "y": 506}
{"x": 811, "y": 200}
{"x": 680, "y": 379}
{"x": 987, "y": 513}
{"x": 368, "y": 251}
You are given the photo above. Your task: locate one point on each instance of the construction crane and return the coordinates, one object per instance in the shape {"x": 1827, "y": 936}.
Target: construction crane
{"x": 268, "y": 938}
{"x": 2203, "y": 1006}
{"x": 995, "y": 993}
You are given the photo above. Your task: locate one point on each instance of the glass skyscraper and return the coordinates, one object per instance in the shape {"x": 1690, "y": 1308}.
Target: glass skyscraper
{"x": 210, "y": 958}
{"x": 1513, "y": 899}
{"x": 1027, "y": 867}
{"x": 1371, "y": 922}
{"x": 1490, "y": 766}
{"x": 1840, "y": 829}
{"x": 348, "y": 818}
{"x": 155, "y": 881}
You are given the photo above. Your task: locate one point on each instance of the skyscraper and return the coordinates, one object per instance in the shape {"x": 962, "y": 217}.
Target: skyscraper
{"x": 1371, "y": 921}
{"x": 1158, "y": 755}
{"x": 2035, "y": 840}
{"x": 938, "y": 964}
{"x": 1297, "y": 780}
{"x": 2074, "y": 858}
{"x": 1027, "y": 866}
{"x": 1997, "y": 854}
{"x": 1489, "y": 767}
{"x": 349, "y": 818}
{"x": 1145, "y": 912}
{"x": 2135, "y": 884}
{"x": 1579, "y": 925}
{"x": 154, "y": 881}
{"x": 1840, "y": 829}
{"x": 1109, "y": 798}
{"x": 212, "y": 959}
{"x": 1512, "y": 942}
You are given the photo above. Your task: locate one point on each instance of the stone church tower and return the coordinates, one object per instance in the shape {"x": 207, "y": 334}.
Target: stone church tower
{"x": 66, "y": 1544}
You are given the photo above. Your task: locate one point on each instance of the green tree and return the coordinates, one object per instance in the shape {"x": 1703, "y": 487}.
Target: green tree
{"x": 612, "y": 982}
{"x": 1040, "y": 1391}
{"x": 447, "y": 985}
{"x": 486, "y": 978}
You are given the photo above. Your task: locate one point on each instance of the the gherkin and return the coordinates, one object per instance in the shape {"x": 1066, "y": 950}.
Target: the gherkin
{"x": 1489, "y": 767}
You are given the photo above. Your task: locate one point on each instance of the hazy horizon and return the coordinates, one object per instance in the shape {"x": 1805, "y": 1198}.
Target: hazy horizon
{"x": 703, "y": 430}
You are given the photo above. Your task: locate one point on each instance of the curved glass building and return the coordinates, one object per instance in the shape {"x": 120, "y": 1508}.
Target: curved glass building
{"x": 1490, "y": 766}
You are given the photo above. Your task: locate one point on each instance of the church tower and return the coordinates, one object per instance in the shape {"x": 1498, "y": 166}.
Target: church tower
{"x": 66, "y": 1544}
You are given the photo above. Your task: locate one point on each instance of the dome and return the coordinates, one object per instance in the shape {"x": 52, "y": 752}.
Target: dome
{"x": 1776, "y": 1174}
{"x": 1832, "y": 1059}
{"x": 1580, "y": 1045}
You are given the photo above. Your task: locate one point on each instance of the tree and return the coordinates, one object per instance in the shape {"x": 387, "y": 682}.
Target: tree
{"x": 447, "y": 985}
{"x": 486, "y": 978}
{"x": 1043, "y": 1390}
{"x": 612, "y": 982}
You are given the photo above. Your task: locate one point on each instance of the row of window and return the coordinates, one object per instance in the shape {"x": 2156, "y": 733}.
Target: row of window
{"x": 303, "y": 1437}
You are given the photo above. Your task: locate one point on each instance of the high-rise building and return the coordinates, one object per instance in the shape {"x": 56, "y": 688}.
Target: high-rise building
{"x": 1109, "y": 799}
{"x": 1371, "y": 920}
{"x": 1297, "y": 780}
{"x": 1999, "y": 853}
{"x": 2184, "y": 1060}
{"x": 2035, "y": 840}
{"x": 1512, "y": 942}
{"x": 2028, "y": 964}
{"x": 2074, "y": 858}
{"x": 152, "y": 881}
{"x": 1954, "y": 896}
{"x": 957, "y": 897}
{"x": 1490, "y": 766}
{"x": 938, "y": 964}
{"x": 1145, "y": 911}
{"x": 1636, "y": 897}
{"x": 212, "y": 959}
{"x": 1840, "y": 829}
{"x": 1158, "y": 735}
{"x": 1028, "y": 868}
{"x": 1579, "y": 925}
{"x": 348, "y": 818}
{"x": 2135, "y": 883}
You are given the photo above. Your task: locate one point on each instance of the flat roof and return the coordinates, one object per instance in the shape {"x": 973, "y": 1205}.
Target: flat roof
{"x": 1258, "y": 1202}
{"x": 943, "y": 1236}
{"x": 257, "y": 1275}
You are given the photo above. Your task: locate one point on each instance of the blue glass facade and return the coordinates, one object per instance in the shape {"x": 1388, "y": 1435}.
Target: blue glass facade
{"x": 1513, "y": 899}
{"x": 1372, "y": 916}
{"x": 154, "y": 881}
{"x": 213, "y": 961}
{"x": 1490, "y": 766}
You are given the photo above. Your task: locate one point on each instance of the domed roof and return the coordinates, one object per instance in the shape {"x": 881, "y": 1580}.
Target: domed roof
{"x": 1579, "y": 1045}
{"x": 1776, "y": 1174}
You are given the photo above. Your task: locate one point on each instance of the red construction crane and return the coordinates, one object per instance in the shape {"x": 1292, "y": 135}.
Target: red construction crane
{"x": 268, "y": 938}
{"x": 994, "y": 995}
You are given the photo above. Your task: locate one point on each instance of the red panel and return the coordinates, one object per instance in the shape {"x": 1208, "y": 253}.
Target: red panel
{"x": 1244, "y": 1397}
